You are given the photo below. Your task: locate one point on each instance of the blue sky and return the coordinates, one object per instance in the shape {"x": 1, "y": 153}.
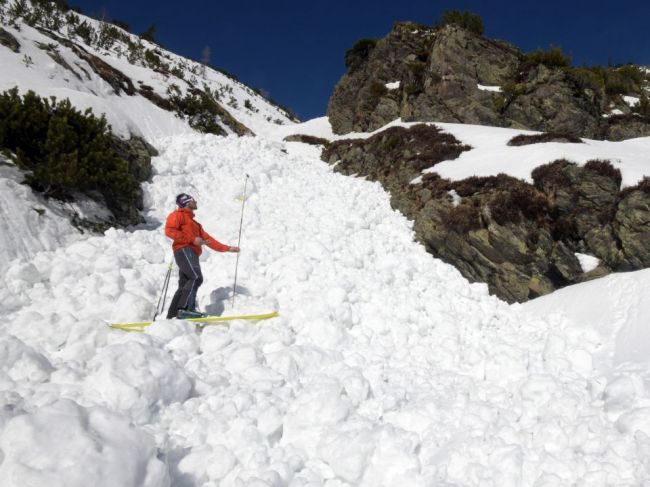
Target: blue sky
{"x": 294, "y": 50}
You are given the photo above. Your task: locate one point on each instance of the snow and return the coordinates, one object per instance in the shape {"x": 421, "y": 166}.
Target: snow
{"x": 616, "y": 307}
{"x": 28, "y": 223}
{"x": 456, "y": 198}
{"x": 631, "y": 100}
{"x": 490, "y": 155}
{"x": 393, "y": 85}
{"x": 587, "y": 262}
{"x": 126, "y": 114}
{"x": 64, "y": 443}
{"x": 496, "y": 89}
{"x": 616, "y": 111}
{"x": 385, "y": 366}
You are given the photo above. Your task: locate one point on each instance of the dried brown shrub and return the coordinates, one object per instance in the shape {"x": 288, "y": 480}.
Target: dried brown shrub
{"x": 510, "y": 200}
{"x": 644, "y": 185}
{"x": 564, "y": 137}
{"x": 519, "y": 202}
{"x": 417, "y": 147}
{"x": 565, "y": 228}
{"x": 605, "y": 168}
{"x": 378, "y": 89}
{"x": 552, "y": 174}
{"x": 306, "y": 139}
{"x": 481, "y": 184}
{"x": 462, "y": 218}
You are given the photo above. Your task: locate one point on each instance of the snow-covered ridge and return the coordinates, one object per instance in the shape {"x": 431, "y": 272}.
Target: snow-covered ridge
{"x": 50, "y": 68}
{"x": 490, "y": 153}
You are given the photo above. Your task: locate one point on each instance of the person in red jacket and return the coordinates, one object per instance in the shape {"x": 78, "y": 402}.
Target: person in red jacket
{"x": 188, "y": 237}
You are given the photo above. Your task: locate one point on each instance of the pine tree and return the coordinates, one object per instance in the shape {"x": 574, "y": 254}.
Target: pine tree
{"x": 149, "y": 34}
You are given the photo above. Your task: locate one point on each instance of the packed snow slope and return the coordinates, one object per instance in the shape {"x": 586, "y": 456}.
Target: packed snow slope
{"x": 385, "y": 366}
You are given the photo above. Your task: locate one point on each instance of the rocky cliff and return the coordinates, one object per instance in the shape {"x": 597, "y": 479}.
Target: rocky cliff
{"x": 451, "y": 74}
{"x": 519, "y": 238}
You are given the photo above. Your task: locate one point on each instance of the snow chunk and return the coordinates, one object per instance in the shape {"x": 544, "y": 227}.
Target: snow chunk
{"x": 587, "y": 262}
{"x": 66, "y": 444}
{"x": 393, "y": 86}
{"x": 455, "y": 197}
{"x": 631, "y": 100}
{"x": 135, "y": 378}
{"x": 20, "y": 364}
{"x": 489, "y": 88}
{"x": 317, "y": 407}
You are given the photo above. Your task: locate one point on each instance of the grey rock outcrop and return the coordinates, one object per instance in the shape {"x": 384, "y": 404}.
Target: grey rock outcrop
{"x": 137, "y": 152}
{"x": 632, "y": 221}
{"x": 519, "y": 238}
{"x": 450, "y": 74}
{"x": 9, "y": 41}
{"x": 306, "y": 139}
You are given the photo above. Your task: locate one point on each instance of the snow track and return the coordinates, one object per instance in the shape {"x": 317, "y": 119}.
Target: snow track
{"x": 386, "y": 367}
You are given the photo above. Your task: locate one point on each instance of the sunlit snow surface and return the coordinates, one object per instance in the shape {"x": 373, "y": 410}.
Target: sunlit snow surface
{"x": 490, "y": 154}
{"x": 385, "y": 366}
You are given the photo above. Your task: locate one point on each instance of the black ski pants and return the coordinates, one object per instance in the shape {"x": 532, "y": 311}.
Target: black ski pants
{"x": 189, "y": 280}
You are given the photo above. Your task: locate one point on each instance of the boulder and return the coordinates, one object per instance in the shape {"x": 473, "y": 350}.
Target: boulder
{"x": 633, "y": 223}
{"x": 9, "y": 41}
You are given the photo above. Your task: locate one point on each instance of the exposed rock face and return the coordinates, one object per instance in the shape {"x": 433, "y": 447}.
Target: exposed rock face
{"x": 8, "y": 40}
{"x": 621, "y": 127}
{"x": 306, "y": 139}
{"x": 446, "y": 75}
{"x": 519, "y": 238}
{"x": 137, "y": 152}
{"x": 633, "y": 224}
{"x": 114, "y": 77}
{"x": 549, "y": 102}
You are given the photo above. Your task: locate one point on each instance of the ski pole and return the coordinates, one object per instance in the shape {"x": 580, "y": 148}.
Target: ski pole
{"x": 163, "y": 294}
{"x": 241, "y": 221}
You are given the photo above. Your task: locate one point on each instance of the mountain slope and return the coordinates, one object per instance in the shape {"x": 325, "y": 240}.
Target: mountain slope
{"x": 97, "y": 65}
{"x": 142, "y": 89}
{"x": 384, "y": 368}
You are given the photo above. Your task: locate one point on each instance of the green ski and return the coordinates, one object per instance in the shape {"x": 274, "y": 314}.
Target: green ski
{"x": 141, "y": 325}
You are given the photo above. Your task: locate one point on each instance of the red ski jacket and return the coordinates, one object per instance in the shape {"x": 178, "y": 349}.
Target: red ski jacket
{"x": 183, "y": 229}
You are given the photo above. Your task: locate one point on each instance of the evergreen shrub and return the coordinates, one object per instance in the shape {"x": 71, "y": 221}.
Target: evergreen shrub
{"x": 553, "y": 58}
{"x": 64, "y": 150}
{"x": 465, "y": 19}
{"x": 358, "y": 53}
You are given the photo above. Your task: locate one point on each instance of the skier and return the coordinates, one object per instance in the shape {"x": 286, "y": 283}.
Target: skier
{"x": 188, "y": 236}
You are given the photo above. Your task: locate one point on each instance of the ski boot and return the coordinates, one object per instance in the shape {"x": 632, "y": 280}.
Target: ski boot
{"x": 184, "y": 314}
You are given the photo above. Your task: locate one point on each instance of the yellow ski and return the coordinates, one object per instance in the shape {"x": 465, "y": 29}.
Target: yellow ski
{"x": 139, "y": 326}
